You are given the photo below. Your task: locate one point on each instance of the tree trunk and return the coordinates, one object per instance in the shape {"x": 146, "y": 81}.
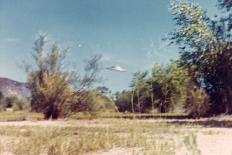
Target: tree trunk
{"x": 228, "y": 102}
{"x": 55, "y": 113}
{"x": 138, "y": 101}
{"x": 152, "y": 101}
{"x": 132, "y": 102}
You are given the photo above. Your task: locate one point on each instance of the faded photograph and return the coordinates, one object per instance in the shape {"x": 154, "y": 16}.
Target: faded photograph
{"x": 115, "y": 77}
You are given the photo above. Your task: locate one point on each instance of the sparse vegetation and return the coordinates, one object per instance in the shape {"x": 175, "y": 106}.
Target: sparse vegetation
{"x": 147, "y": 137}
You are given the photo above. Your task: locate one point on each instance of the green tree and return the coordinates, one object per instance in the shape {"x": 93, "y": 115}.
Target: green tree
{"x": 192, "y": 31}
{"x": 205, "y": 51}
{"x": 169, "y": 86}
{"x": 150, "y": 91}
{"x": 123, "y": 101}
{"x": 138, "y": 84}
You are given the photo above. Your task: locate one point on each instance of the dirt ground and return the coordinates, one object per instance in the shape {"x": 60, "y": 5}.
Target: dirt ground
{"x": 210, "y": 140}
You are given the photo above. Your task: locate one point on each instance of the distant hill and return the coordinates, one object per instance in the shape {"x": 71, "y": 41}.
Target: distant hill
{"x": 10, "y": 87}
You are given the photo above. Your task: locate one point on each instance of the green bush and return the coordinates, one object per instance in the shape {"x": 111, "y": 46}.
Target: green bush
{"x": 102, "y": 103}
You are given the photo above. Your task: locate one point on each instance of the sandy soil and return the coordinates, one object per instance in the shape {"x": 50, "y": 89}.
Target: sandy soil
{"x": 216, "y": 144}
{"x": 116, "y": 151}
{"x": 57, "y": 123}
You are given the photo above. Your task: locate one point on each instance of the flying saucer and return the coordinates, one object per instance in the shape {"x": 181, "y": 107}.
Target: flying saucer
{"x": 117, "y": 69}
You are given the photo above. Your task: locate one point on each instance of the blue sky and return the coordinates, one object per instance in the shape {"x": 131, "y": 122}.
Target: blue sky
{"x": 126, "y": 32}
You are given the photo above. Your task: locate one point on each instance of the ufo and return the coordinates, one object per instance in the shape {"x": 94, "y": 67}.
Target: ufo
{"x": 117, "y": 69}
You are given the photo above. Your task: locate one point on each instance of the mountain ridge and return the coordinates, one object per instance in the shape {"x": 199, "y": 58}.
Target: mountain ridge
{"x": 9, "y": 87}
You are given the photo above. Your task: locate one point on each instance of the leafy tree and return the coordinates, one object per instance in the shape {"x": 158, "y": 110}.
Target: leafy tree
{"x": 205, "y": 51}
{"x": 123, "y": 101}
{"x": 192, "y": 31}
{"x": 165, "y": 90}
{"x": 169, "y": 86}
{"x": 150, "y": 91}
{"x": 138, "y": 84}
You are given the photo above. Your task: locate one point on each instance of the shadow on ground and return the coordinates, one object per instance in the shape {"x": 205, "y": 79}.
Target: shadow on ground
{"x": 205, "y": 123}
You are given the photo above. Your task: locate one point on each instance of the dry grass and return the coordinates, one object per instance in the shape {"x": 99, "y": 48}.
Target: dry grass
{"x": 74, "y": 137}
{"x": 20, "y": 116}
{"x": 149, "y": 138}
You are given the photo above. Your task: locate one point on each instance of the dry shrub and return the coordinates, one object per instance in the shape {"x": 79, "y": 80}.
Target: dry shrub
{"x": 198, "y": 103}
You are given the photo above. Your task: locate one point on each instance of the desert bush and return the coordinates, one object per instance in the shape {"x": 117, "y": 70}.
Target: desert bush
{"x": 57, "y": 91}
{"x": 198, "y": 103}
